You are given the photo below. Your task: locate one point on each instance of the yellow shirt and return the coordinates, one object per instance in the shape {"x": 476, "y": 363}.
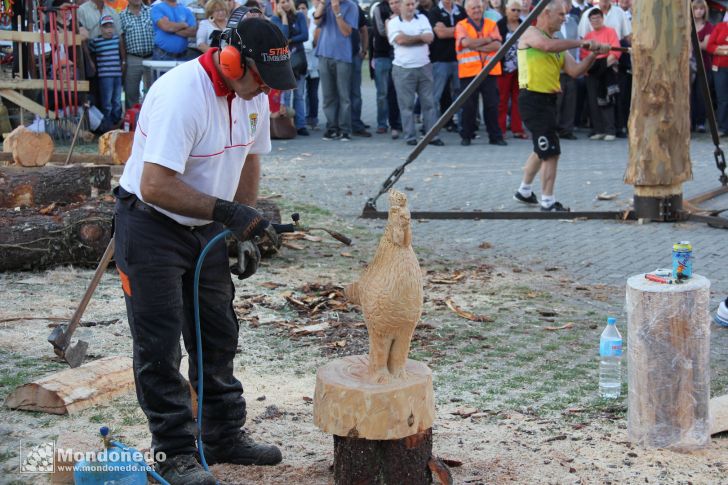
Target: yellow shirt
{"x": 539, "y": 71}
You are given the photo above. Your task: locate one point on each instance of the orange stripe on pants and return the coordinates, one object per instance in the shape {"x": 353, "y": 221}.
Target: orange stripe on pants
{"x": 125, "y": 285}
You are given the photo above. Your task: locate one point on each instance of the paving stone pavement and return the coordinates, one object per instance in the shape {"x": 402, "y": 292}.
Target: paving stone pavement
{"x": 340, "y": 176}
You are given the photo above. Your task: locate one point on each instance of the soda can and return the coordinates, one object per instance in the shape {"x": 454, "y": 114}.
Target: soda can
{"x": 682, "y": 261}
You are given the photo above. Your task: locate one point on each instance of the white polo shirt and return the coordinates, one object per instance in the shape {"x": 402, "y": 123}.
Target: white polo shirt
{"x": 409, "y": 56}
{"x": 192, "y": 124}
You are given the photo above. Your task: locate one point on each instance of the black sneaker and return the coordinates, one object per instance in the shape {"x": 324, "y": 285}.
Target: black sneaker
{"x": 362, "y": 133}
{"x": 437, "y": 142}
{"x": 184, "y": 470}
{"x": 303, "y": 132}
{"x": 242, "y": 451}
{"x": 465, "y": 142}
{"x": 499, "y": 142}
{"x": 331, "y": 135}
{"x": 345, "y": 137}
{"x": 412, "y": 142}
{"x": 531, "y": 199}
{"x": 555, "y": 207}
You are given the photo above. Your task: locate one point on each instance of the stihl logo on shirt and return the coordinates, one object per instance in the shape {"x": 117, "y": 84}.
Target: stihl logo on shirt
{"x": 276, "y": 54}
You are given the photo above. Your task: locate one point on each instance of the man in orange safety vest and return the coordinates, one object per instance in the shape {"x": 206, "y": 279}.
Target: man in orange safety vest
{"x": 477, "y": 39}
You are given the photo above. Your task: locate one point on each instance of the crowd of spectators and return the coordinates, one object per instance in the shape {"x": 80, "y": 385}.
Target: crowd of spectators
{"x": 421, "y": 55}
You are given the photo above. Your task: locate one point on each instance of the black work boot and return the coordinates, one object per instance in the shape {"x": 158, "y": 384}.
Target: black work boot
{"x": 184, "y": 470}
{"x": 242, "y": 451}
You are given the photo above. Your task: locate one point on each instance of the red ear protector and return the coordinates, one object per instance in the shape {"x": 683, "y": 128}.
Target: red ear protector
{"x": 232, "y": 63}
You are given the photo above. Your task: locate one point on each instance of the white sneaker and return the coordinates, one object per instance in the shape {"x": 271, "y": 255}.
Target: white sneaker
{"x": 598, "y": 136}
{"x": 609, "y": 138}
{"x": 721, "y": 314}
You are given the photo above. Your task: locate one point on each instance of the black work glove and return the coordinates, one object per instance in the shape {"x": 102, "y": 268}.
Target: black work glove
{"x": 244, "y": 221}
{"x": 248, "y": 260}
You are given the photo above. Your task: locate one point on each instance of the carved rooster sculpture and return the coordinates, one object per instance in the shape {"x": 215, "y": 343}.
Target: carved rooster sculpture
{"x": 390, "y": 295}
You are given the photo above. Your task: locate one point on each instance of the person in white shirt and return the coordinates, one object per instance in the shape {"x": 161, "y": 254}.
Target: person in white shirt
{"x": 614, "y": 17}
{"x": 193, "y": 171}
{"x": 410, "y": 34}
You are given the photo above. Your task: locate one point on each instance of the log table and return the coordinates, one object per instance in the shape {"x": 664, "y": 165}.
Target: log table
{"x": 669, "y": 363}
{"x": 382, "y": 432}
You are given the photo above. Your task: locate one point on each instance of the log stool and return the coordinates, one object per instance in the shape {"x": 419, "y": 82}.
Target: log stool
{"x": 382, "y": 432}
{"x": 669, "y": 363}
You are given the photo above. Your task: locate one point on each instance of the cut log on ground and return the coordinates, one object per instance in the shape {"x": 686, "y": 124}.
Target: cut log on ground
{"x": 72, "y": 390}
{"x": 669, "y": 363}
{"x": 77, "y": 234}
{"x": 388, "y": 462}
{"x": 719, "y": 414}
{"x": 28, "y": 148}
{"x": 347, "y": 403}
{"x": 41, "y": 186}
{"x": 116, "y": 144}
{"x": 60, "y": 158}
{"x": 71, "y": 234}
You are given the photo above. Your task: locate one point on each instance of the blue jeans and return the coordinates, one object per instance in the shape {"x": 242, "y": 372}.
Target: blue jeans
{"x": 298, "y": 104}
{"x": 110, "y": 88}
{"x": 445, "y": 74}
{"x": 162, "y": 55}
{"x": 336, "y": 88}
{"x": 382, "y": 73}
{"x": 312, "y": 100}
{"x": 356, "y": 123}
{"x": 720, "y": 78}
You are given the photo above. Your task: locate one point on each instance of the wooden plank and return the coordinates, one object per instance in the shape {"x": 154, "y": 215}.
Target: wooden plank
{"x": 72, "y": 390}
{"x": 27, "y": 103}
{"x": 15, "y": 36}
{"x": 18, "y": 84}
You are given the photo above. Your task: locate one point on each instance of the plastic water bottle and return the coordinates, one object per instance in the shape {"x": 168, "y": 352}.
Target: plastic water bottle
{"x": 610, "y": 354}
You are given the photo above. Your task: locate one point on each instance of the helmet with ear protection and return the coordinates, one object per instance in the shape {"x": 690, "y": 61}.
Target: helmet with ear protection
{"x": 231, "y": 61}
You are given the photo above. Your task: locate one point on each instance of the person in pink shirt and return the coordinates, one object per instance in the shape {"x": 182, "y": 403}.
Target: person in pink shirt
{"x": 601, "y": 81}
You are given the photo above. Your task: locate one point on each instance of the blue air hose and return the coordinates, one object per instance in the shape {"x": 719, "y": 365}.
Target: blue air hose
{"x": 198, "y": 338}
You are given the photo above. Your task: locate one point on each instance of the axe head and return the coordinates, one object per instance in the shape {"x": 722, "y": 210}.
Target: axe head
{"x": 74, "y": 353}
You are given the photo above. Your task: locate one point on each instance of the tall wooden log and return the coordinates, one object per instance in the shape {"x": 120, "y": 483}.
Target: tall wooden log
{"x": 41, "y": 186}
{"x": 669, "y": 363}
{"x": 659, "y": 127}
{"x": 71, "y": 234}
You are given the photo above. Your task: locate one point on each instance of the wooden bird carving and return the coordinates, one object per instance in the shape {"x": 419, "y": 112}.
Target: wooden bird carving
{"x": 390, "y": 295}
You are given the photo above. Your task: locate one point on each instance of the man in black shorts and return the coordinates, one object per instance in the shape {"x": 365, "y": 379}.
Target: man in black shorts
{"x": 540, "y": 61}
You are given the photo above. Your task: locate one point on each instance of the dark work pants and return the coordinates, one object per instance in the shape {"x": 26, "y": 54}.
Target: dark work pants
{"x": 566, "y": 104}
{"x": 156, "y": 258}
{"x": 602, "y": 116}
{"x": 488, "y": 89}
{"x": 624, "y": 101}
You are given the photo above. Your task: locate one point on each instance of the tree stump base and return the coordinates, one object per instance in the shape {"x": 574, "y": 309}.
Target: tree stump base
{"x": 382, "y": 432}
{"x": 669, "y": 363}
{"x": 375, "y": 462}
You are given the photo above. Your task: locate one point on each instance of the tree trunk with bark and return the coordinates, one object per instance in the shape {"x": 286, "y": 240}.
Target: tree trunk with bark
{"x": 389, "y": 462}
{"x": 659, "y": 123}
{"x": 41, "y": 186}
{"x": 77, "y": 234}
{"x": 70, "y": 234}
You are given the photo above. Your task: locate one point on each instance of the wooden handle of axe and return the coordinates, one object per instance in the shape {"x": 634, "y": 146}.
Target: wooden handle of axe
{"x": 100, "y": 269}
